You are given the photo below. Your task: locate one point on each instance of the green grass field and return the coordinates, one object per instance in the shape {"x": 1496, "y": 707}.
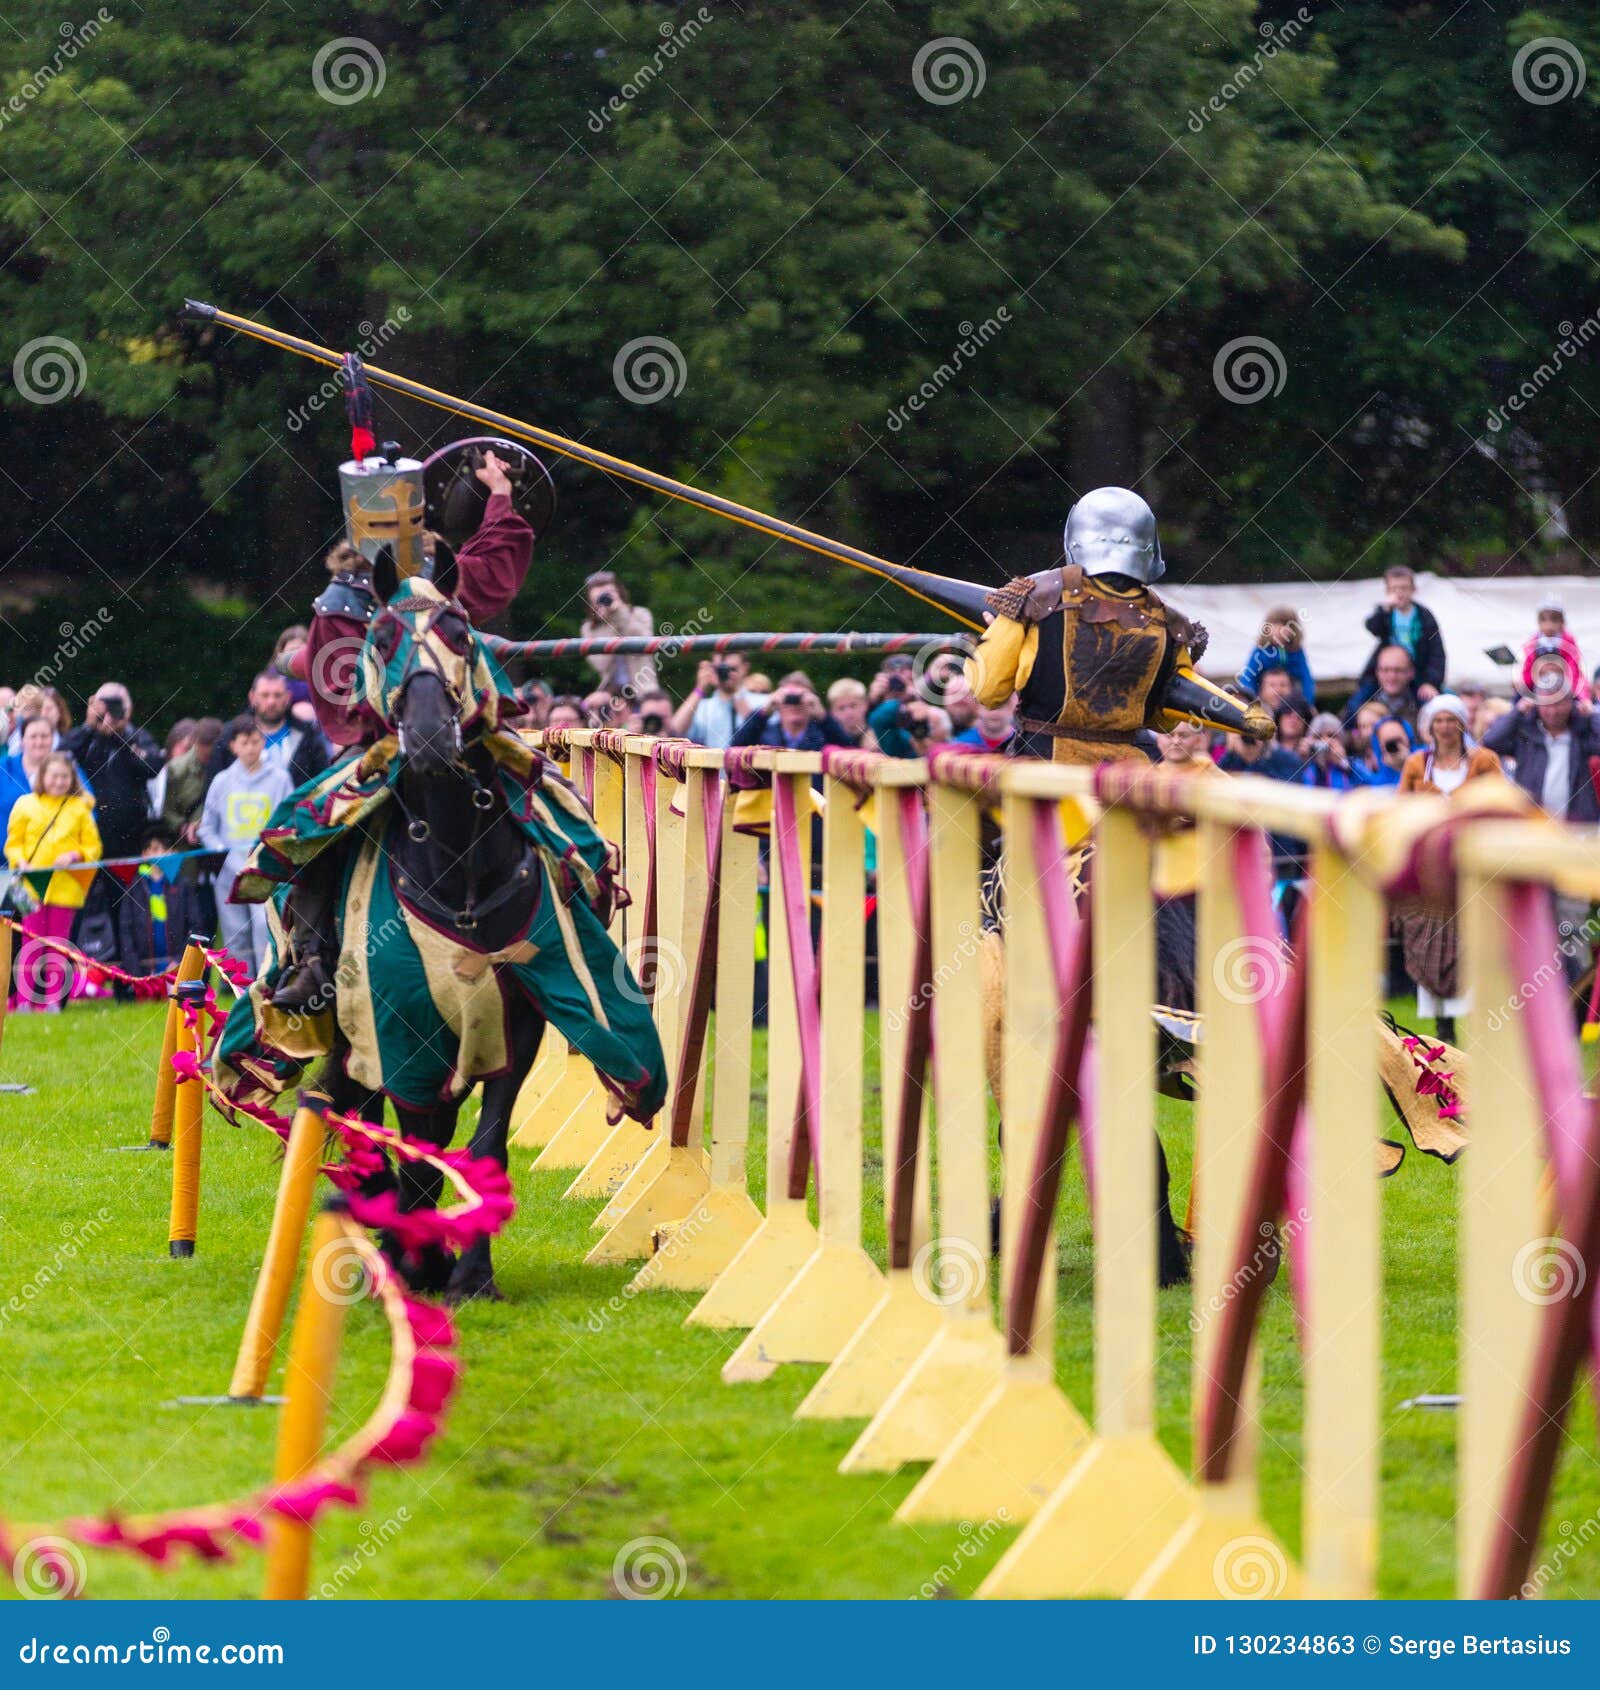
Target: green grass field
{"x": 586, "y": 1420}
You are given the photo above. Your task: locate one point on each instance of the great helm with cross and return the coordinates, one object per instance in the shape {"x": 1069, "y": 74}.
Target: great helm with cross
{"x": 395, "y": 503}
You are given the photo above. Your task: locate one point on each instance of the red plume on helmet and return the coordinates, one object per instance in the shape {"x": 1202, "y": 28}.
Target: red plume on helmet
{"x": 357, "y": 406}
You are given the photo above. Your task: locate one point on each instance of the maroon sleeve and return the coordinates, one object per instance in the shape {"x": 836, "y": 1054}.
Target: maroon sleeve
{"x": 328, "y": 662}
{"x": 494, "y": 562}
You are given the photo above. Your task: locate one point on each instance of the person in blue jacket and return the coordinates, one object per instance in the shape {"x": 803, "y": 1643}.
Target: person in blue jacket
{"x": 1280, "y": 646}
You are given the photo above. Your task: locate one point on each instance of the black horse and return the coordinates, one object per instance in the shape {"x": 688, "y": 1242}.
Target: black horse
{"x": 460, "y": 862}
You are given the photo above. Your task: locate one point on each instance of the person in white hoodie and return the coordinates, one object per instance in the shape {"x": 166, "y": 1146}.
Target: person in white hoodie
{"x": 238, "y": 805}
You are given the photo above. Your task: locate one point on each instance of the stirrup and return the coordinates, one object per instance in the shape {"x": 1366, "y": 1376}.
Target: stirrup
{"x": 307, "y": 985}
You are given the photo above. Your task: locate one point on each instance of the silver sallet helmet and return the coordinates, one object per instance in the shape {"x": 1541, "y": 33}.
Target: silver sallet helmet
{"x": 1113, "y": 532}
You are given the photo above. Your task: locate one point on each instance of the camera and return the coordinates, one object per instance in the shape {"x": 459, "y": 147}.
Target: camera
{"x": 895, "y": 684}
{"x": 653, "y": 723}
{"x": 115, "y": 709}
{"x": 604, "y": 601}
{"x": 723, "y": 671}
{"x": 792, "y": 696}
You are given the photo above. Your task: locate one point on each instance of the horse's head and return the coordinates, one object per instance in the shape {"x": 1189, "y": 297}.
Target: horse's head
{"x": 425, "y": 674}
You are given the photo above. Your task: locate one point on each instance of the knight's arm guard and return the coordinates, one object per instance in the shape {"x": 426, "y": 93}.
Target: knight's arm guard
{"x": 1190, "y": 699}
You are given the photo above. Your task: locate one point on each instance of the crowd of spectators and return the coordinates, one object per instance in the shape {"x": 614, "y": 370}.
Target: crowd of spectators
{"x": 74, "y": 794}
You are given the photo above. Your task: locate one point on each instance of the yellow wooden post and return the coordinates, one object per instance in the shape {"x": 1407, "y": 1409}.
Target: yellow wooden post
{"x": 296, "y": 1188}
{"x": 308, "y": 1390}
{"x": 1021, "y": 1442}
{"x": 682, "y": 1177}
{"x": 964, "y": 1360}
{"x": 633, "y": 1153}
{"x": 882, "y": 1348}
{"x": 183, "y": 1224}
{"x": 781, "y": 1245}
{"x": 1224, "y": 1531}
{"x": 839, "y": 1284}
{"x": 1503, "y": 1223}
{"x": 191, "y": 966}
{"x": 1124, "y": 1497}
{"x": 692, "y": 1251}
{"x": 577, "y": 1107}
{"x": 1343, "y": 1432}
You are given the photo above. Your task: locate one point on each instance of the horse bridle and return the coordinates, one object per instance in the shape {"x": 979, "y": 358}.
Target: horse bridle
{"x": 469, "y": 918}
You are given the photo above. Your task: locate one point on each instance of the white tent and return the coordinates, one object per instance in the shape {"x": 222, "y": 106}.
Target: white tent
{"x": 1474, "y": 616}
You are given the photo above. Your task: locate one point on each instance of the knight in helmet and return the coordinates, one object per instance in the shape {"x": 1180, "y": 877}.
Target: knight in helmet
{"x": 385, "y": 497}
{"x": 1096, "y": 659}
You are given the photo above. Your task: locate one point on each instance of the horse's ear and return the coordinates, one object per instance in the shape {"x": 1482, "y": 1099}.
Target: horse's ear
{"x": 441, "y": 570}
{"x": 385, "y": 577}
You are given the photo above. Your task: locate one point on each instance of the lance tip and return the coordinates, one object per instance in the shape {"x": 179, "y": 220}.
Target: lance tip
{"x": 199, "y": 310}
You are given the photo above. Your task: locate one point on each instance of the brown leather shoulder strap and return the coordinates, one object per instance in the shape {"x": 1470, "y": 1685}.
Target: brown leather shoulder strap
{"x": 1072, "y": 580}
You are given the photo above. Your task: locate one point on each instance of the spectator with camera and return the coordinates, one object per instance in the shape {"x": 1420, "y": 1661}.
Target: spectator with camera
{"x": 720, "y": 703}
{"x": 793, "y": 719}
{"x": 613, "y": 615}
{"x": 120, "y": 760}
{"x": 903, "y": 724}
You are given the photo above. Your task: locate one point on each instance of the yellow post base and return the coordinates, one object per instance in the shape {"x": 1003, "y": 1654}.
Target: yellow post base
{"x": 946, "y": 1385}
{"x": 671, "y": 1195}
{"x": 1102, "y": 1527}
{"x": 754, "y": 1280}
{"x": 1008, "y": 1458}
{"x": 577, "y": 1107}
{"x": 606, "y": 1172}
{"x": 634, "y": 1183}
{"x": 690, "y": 1253}
{"x": 1221, "y": 1550}
{"x": 814, "y": 1318}
{"x": 878, "y": 1355}
{"x": 533, "y": 1122}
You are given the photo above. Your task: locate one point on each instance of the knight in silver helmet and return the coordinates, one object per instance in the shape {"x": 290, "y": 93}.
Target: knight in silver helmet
{"x": 1096, "y": 659}
{"x": 1113, "y": 532}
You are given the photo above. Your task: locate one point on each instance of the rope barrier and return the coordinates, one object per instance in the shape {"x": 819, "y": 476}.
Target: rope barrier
{"x": 694, "y": 645}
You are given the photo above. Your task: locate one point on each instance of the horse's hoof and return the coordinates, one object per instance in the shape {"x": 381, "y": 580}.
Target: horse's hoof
{"x": 474, "y": 1290}
{"x": 427, "y": 1272}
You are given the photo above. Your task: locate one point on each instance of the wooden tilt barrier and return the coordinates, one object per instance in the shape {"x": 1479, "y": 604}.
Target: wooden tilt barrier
{"x": 937, "y": 1363}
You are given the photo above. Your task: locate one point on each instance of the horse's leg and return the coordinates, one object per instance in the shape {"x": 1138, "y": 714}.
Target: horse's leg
{"x": 1172, "y": 1259}
{"x": 420, "y": 1186}
{"x": 347, "y": 1096}
{"x": 474, "y": 1274}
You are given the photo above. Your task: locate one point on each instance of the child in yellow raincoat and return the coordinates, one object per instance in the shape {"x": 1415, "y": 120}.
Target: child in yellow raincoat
{"x": 51, "y": 827}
